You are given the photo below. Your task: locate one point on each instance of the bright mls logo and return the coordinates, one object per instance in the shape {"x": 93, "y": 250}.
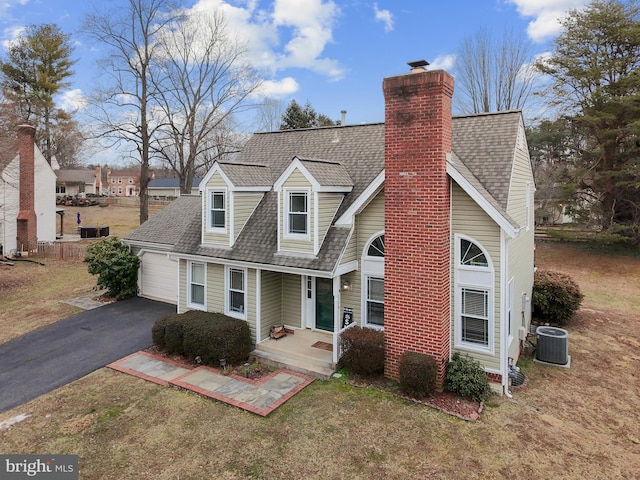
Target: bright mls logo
{"x": 50, "y": 467}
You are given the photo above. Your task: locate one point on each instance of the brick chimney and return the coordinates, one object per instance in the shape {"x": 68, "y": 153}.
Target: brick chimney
{"x": 417, "y": 225}
{"x": 27, "y": 220}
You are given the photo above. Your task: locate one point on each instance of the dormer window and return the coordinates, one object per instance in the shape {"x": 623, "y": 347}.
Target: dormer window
{"x": 298, "y": 213}
{"x": 217, "y": 210}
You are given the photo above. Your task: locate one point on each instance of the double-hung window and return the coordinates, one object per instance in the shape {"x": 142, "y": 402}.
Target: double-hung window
{"x": 474, "y": 277}
{"x": 475, "y": 316}
{"x": 236, "y": 292}
{"x": 298, "y": 213}
{"x": 375, "y": 301}
{"x": 197, "y": 285}
{"x": 217, "y": 210}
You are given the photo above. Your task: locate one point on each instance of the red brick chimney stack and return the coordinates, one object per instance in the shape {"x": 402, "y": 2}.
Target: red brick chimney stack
{"x": 417, "y": 224}
{"x": 27, "y": 220}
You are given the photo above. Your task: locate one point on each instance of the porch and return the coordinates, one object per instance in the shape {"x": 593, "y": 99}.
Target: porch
{"x": 304, "y": 351}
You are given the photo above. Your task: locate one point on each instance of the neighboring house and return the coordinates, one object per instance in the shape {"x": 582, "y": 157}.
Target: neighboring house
{"x": 122, "y": 183}
{"x": 77, "y": 181}
{"x": 169, "y": 187}
{"x": 421, "y": 226}
{"x": 27, "y": 194}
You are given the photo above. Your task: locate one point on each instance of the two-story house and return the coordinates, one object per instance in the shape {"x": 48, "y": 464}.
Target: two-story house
{"x": 421, "y": 226}
{"x": 122, "y": 183}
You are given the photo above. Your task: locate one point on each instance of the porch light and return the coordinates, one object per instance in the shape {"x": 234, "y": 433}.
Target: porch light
{"x": 346, "y": 285}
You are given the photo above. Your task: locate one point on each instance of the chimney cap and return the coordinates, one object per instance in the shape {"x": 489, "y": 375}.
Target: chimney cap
{"x": 418, "y": 64}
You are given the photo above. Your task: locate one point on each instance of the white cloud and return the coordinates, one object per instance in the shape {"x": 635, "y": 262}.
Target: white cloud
{"x": 72, "y": 100}
{"x": 278, "y": 88}
{"x": 383, "y": 16}
{"x": 443, "y": 62}
{"x": 547, "y": 15}
{"x": 291, "y": 34}
{"x": 10, "y": 34}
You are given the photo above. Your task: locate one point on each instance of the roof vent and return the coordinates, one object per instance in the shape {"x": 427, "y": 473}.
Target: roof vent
{"x": 418, "y": 65}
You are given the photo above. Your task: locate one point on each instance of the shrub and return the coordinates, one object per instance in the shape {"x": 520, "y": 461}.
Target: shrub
{"x": 466, "y": 377}
{"x": 418, "y": 373}
{"x": 211, "y": 336}
{"x": 363, "y": 350}
{"x": 556, "y": 297}
{"x": 115, "y": 265}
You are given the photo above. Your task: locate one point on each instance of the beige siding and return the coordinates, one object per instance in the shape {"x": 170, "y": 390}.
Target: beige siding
{"x": 291, "y": 300}
{"x": 351, "y": 298}
{"x": 251, "y": 302}
{"x": 243, "y": 206}
{"x": 369, "y": 222}
{"x": 215, "y": 287}
{"x": 216, "y": 181}
{"x": 350, "y": 251}
{"x": 328, "y": 204}
{"x": 470, "y": 220}
{"x": 296, "y": 180}
{"x": 271, "y": 302}
{"x": 182, "y": 289}
{"x": 520, "y": 250}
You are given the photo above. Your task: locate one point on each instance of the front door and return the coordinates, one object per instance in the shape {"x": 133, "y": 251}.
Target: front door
{"x": 324, "y": 304}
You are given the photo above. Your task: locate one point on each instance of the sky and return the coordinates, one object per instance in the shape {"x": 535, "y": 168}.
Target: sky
{"x": 331, "y": 53}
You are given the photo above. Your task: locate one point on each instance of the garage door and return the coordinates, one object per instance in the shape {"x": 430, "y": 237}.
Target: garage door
{"x": 159, "y": 277}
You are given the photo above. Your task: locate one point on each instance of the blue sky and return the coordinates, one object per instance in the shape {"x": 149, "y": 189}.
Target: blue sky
{"x": 333, "y": 53}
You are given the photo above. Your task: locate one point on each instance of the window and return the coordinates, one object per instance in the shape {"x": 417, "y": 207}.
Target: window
{"x": 475, "y": 316}
{"x": 119, "y": 179}
{"x": 61, "y": 189}
{"x": 375, "y": 301}
{"x": 298, "y": 213}
{"x": 196, "y": 284}
{"x": 130, "y": 179}
{"x": 119, "y": 190}
{"x": 236, "y": 292}
{"x": 472, "y": 255}
{"x": 376, "y": 249}
{"x": 113, "y": 179}
{"x": 217, "y": 210}
{"x": 474, "y": 284}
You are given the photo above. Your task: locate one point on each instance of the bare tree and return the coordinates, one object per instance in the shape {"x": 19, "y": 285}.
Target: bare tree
{"x": 493, "y": 74}
{"x": 270, "y": 113}
{"x": 124, "y": 108}
{"x": 200, "y": 79}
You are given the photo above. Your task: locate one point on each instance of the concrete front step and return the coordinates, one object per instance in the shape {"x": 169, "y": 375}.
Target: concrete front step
{"x": 294, "y": 361}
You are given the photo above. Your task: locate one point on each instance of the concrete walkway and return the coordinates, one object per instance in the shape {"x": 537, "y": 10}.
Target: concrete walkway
{"x": 261, "y": 396}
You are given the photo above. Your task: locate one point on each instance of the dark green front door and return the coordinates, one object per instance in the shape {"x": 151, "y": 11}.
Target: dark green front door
{"x": 324, "y": 304}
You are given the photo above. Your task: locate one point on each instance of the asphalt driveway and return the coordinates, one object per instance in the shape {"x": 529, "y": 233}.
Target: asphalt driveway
{"x": 53, "y": 356}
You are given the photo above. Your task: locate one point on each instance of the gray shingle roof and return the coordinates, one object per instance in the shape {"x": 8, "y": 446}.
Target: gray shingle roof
{"x": 76, "y": 176}
{"x": 171, "y": 223}
{"x": 484, "y": 148}
{"x": 170, "y": 183}
{"x": 328, "y": 173}
{"x": 247, "y": 175}
{"x": 8, "y": 150}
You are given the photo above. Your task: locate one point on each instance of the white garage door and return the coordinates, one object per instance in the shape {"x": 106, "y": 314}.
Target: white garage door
{"x": 159, "y": 277}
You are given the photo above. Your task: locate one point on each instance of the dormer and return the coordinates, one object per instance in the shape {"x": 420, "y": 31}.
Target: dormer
{"x": 309, "y": 194}
{"x": 230, "y": 193}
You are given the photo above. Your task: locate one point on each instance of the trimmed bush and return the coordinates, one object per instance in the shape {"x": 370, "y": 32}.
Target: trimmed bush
{"x": 556, "y": 297}
{"x": 115, "y": 265}
{"x": 466, "y": 377}
{"x": 210, "y": 336}
{"x": 363, "y": 350}
{"x": 418, "y": 373}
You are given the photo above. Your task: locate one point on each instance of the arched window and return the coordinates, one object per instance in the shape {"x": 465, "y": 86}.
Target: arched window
{"x": 474, "y": 277}
{"x": 373, "y": 282}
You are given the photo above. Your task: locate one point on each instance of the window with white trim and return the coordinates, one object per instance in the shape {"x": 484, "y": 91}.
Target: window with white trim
{"x": 375, "y": 301}
{"x": 298, "y": 213}
{"x": 236, "y": 292}
{"x": 217, "y": 210}
{"x": 475, "y": 316}
{"x": 474, "y": 278}
{"x": 197, "y": 285}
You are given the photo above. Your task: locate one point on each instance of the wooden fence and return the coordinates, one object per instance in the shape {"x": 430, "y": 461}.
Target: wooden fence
{"x": 71, "y": 251}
